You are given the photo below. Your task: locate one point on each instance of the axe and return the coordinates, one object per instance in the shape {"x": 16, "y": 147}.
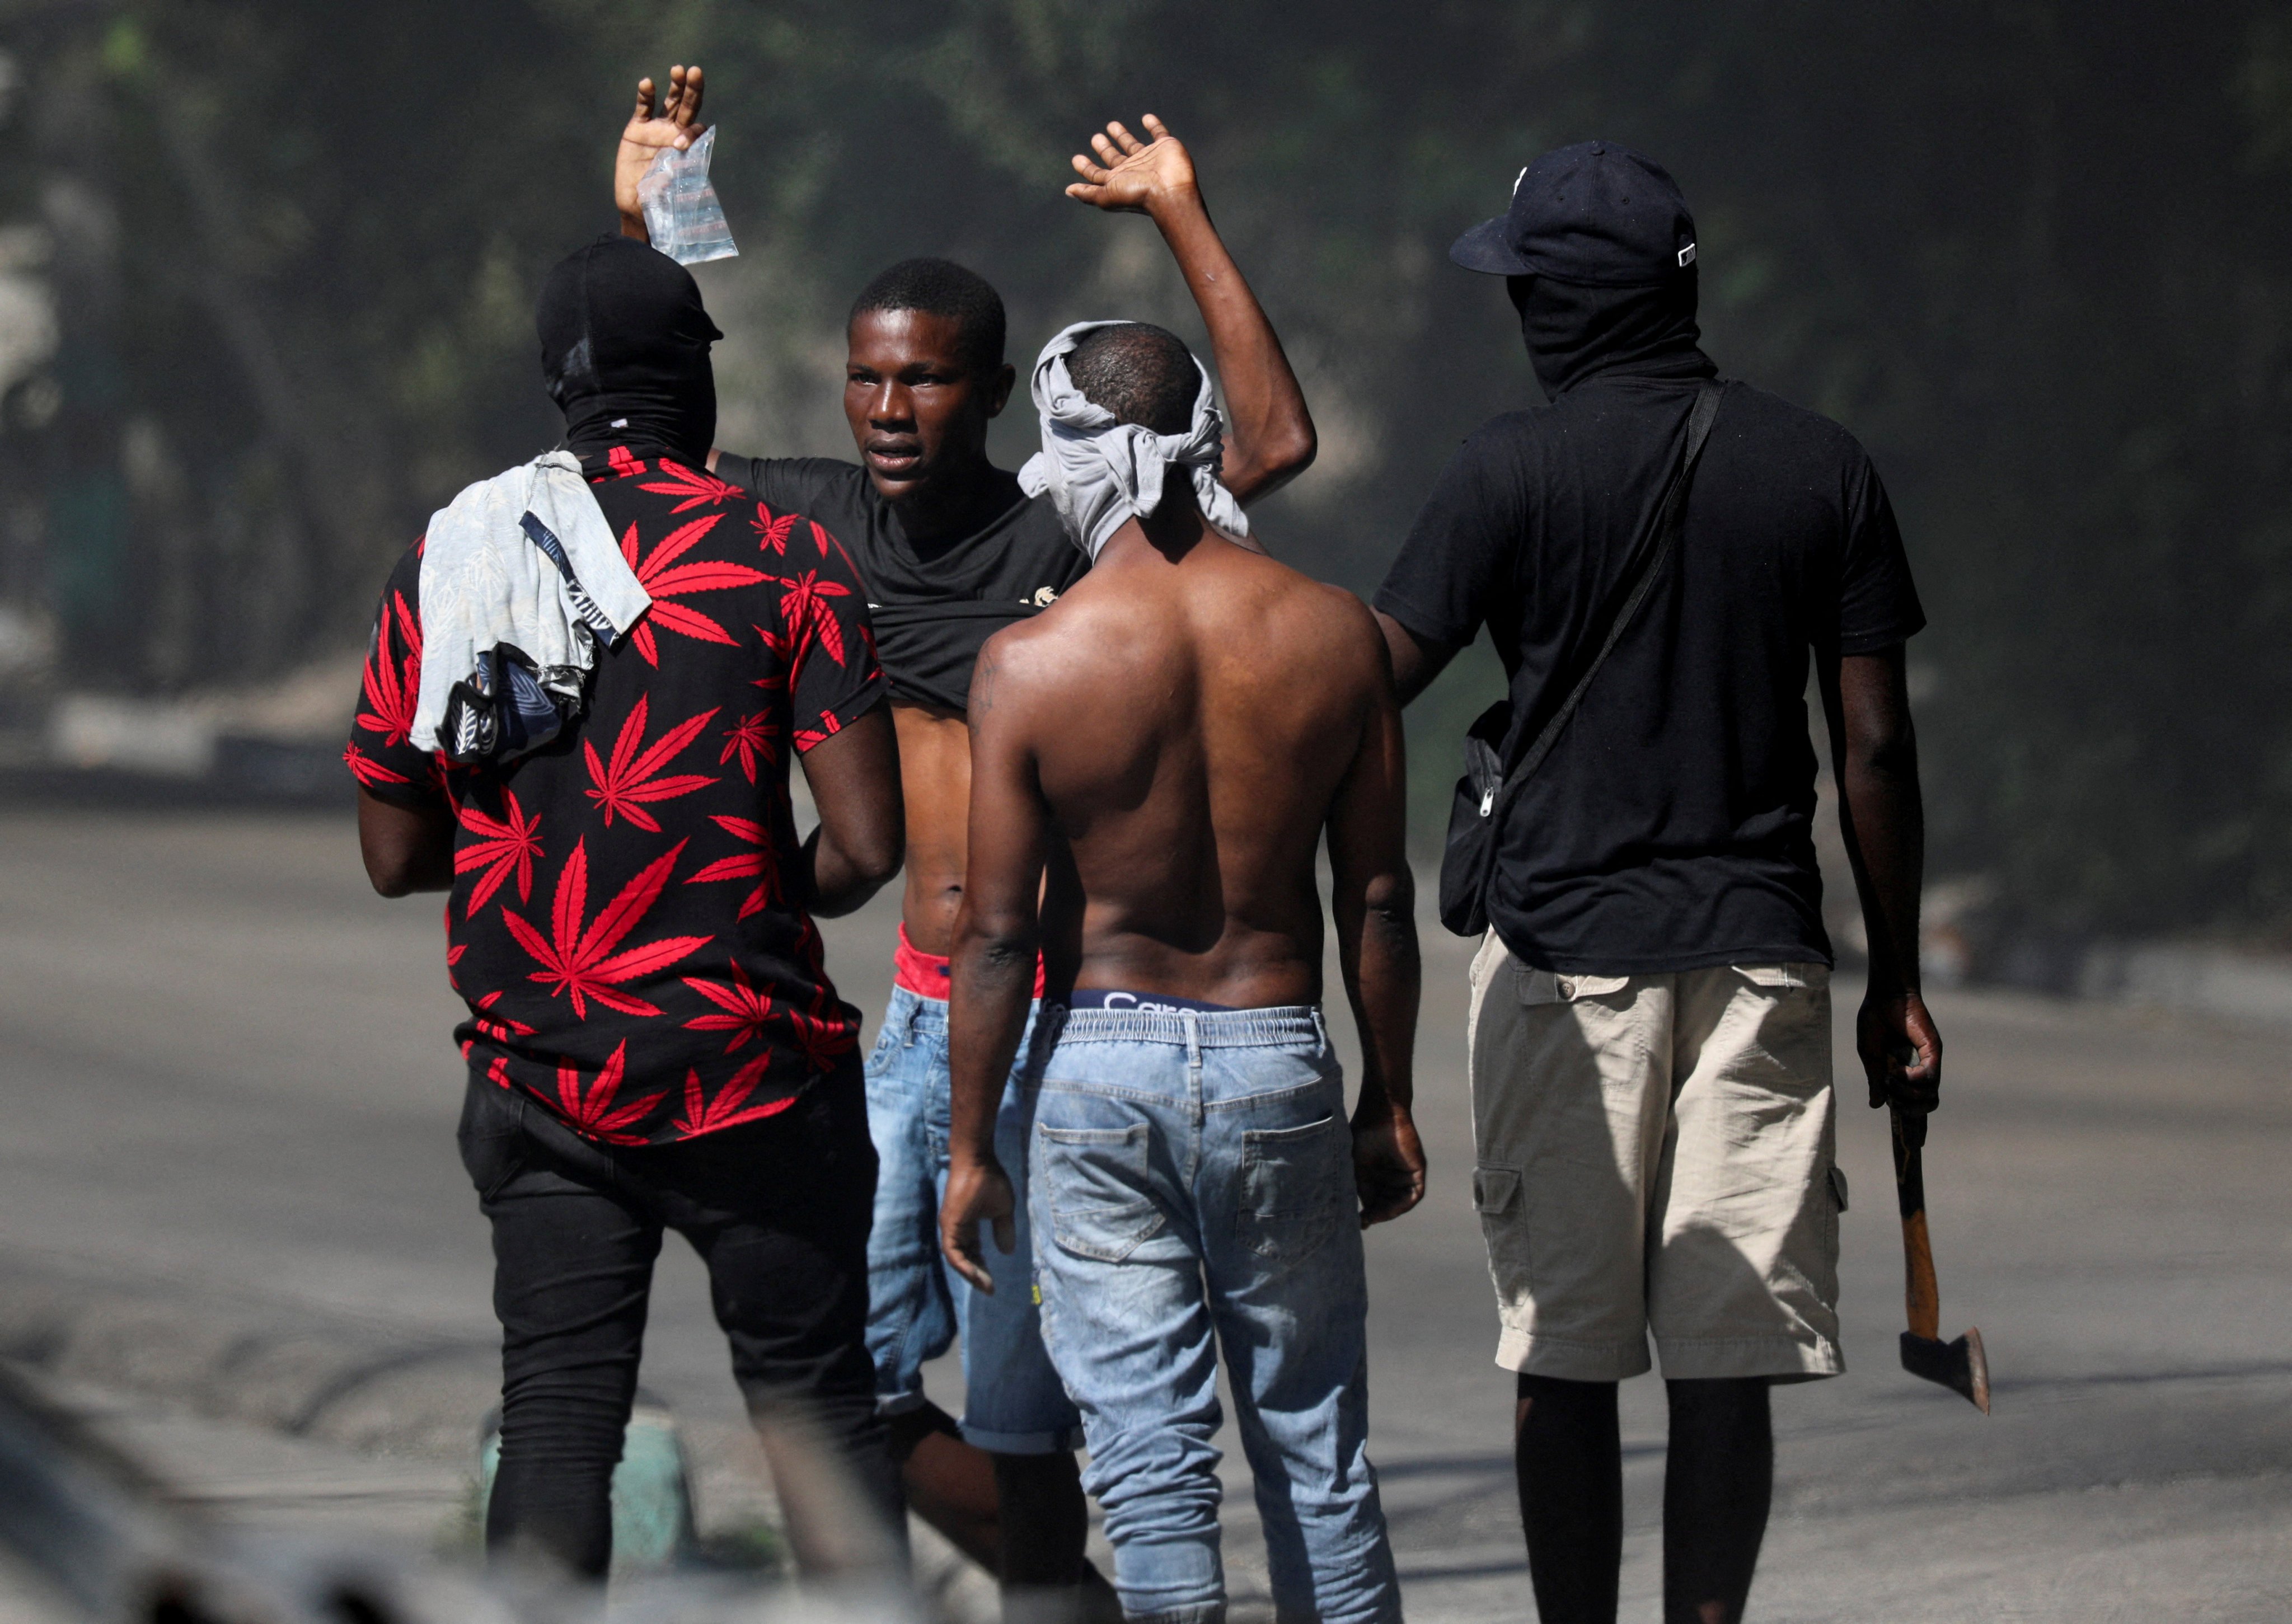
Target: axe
{"x": 1958, "y": 1365}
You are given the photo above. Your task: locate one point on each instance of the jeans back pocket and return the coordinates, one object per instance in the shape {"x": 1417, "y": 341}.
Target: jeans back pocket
{"x": 1097, "y": 1182}
{"x": 491, "y": 1137}
{"x": 1297, "y": 1185}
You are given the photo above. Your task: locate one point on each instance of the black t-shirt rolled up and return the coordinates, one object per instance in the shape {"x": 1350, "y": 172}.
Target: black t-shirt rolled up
{"x": 934, "y": 601}
{"x": 1671, "y": 827}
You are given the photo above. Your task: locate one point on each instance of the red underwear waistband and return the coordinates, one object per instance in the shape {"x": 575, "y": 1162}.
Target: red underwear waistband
{"x": 928, "y": 975}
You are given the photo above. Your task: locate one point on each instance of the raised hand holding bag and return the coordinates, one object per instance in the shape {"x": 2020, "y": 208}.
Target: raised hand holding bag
{"x": 1485, "y": 793}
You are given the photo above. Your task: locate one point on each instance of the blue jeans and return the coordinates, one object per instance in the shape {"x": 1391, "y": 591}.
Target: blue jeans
{"x": 1012, "y": 1402}
{"x": 1192, "y": 1187}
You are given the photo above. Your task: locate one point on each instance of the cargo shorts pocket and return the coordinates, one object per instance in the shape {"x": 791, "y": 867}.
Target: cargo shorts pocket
{"x": 1297, "y": 1186}
{"x": 1791, "y": 1005}
{"x": 1812, "y": 976}
{"x": 1503, "y": 1225}
{"x": 1539, "y": 987}
{"x": 1096, "y": 1182}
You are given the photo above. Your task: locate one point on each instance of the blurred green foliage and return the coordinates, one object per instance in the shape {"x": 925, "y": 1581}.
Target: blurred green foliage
{"x": 2037, "y": 256}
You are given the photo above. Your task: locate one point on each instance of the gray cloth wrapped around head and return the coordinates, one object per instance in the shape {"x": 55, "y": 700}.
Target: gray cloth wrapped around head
{"x": 1101, "y": 474}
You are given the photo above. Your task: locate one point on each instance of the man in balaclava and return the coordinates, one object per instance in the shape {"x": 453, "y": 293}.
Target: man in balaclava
{"x": 624, "y": 351}
{"x": 1650, "y": 1030}
{"x": 653, "y": 1040}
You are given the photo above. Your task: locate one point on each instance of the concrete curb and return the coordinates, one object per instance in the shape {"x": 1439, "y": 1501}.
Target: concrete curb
{"x": 298, "y": 1370}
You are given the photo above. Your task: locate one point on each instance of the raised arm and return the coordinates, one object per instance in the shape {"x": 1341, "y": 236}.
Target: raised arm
{"x": 997, "y": 938}
{"x": 1272, "y": 439}
{"x": 677, "y": 124}
{"x": 1874, "y": 751}
{"x": 1373, "y": 900}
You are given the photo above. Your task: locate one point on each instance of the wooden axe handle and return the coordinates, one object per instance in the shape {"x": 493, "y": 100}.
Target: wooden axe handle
{"x": 1922, "y": 1294}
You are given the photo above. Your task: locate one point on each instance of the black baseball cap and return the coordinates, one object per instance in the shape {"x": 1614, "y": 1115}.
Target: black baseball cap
{"x": 1594, "y": 212}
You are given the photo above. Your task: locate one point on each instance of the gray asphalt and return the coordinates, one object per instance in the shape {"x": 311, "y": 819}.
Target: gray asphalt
{"x": 225, "y": 1062}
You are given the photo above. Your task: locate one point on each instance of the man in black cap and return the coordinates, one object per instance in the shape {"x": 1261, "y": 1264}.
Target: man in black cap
{"x": 1649, "y": 1023}
{"x": 653, "y": 1039}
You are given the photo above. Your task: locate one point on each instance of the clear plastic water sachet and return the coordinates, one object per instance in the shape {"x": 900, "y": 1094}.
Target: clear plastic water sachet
{"x": 681, "y": 211}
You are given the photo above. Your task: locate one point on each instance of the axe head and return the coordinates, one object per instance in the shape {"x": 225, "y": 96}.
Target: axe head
{"x": 1958, "y": 1365}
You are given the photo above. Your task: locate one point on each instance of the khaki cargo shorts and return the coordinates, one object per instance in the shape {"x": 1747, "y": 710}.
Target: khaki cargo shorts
{"x": 1654, "y": 1152}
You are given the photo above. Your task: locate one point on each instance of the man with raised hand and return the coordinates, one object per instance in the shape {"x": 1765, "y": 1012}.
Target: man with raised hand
{"x": 1193, "y": 1182}
{"x": 951, "y": 550}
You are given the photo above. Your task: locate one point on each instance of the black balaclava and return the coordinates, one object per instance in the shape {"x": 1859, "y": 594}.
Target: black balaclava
{"x": 1575, "y": 330}
{"x": 625, "y": 350}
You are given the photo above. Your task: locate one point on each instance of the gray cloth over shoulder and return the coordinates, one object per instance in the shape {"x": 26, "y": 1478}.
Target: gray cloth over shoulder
{"x": 521, "y": 580}
{"x": 1101, "y": 474}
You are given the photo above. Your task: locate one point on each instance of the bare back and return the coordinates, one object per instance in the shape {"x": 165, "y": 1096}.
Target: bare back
{"x": 1190, "y": 724}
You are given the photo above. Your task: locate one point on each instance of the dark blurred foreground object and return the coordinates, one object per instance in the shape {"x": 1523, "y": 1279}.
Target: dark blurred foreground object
{"x": 85, "y": 1520}
{"x": 100, "y": 1535}
{"x": 1960, "y": 1365}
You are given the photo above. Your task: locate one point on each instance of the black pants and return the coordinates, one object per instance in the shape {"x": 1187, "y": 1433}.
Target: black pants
{"x": 778, "y": 1211}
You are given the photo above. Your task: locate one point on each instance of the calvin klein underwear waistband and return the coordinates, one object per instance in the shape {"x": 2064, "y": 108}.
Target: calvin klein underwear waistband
{"x": 1144, "y": 1003}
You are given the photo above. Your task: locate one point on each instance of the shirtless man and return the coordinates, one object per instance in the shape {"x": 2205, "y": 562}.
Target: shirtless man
{"x": 950, "y": 551}
{"x": 1192, "y": 1181}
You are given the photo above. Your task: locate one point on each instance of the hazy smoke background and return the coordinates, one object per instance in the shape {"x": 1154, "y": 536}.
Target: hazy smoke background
{"x": 266, "y": 272}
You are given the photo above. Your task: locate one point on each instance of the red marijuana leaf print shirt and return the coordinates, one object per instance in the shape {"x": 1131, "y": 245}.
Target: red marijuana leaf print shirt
{"x": 619, "y": 925}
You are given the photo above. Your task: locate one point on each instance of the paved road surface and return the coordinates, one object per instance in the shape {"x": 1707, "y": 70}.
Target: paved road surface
{"x": 223, "y": 1061}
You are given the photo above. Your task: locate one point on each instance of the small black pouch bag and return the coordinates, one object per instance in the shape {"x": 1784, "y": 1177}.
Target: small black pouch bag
{"x": 1485, "y": 793}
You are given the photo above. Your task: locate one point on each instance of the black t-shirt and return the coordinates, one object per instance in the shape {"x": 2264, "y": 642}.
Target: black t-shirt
{"x": 622, "y": 925}
{"x": 1671, "y": 827}
{"x": 935, "y": 601}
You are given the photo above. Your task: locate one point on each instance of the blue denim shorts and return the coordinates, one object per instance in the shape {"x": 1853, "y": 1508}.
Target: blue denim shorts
{"x": 1013, "y": 1403}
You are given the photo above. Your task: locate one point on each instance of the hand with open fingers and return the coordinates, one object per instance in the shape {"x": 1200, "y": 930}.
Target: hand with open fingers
{"x": 978, "y": 1192}
{"x": 1900, "y": 1050}
{"x": 1131, "y": 176}
{"x": 1388, "y": 1163}
{"x": 674, "y": 123}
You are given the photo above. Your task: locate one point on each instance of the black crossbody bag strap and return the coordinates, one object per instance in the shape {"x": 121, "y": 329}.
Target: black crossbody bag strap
{"x": 1468, "y": 914}
{"x": 1667, "y": 529}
